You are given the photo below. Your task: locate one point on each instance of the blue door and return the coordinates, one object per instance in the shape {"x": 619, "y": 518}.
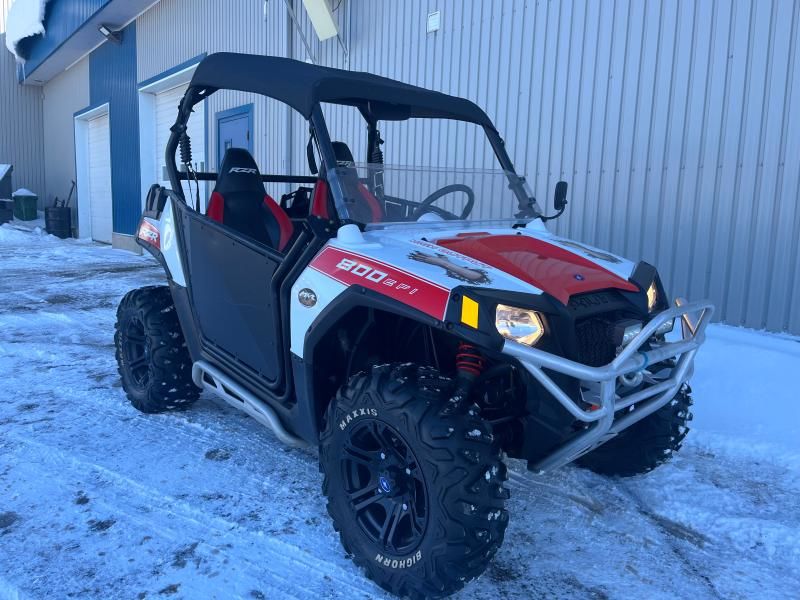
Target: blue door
{"x": 234, "y": 130}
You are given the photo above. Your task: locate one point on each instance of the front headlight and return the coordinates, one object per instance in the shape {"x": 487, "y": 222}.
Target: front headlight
{"x": 652, "y": 296}
{"x": 519, "y": 324}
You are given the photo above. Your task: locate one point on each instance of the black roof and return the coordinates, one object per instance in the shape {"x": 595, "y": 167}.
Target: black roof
{"x": 302, "y": 85}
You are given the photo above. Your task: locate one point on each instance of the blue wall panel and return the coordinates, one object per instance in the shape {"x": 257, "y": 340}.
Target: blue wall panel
{"x": 112, "y": 79}
{"x": 62, "y": 19}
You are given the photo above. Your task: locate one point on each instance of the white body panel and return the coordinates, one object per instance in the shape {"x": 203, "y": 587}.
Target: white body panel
{"x": 407, "y": 248}
{"x": 326, "y": 290}
{"x": 167, "y": 241}
{"x": 169, "y": 245}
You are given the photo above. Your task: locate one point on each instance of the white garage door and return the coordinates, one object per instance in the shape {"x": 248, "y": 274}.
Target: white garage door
{"x": 100, "y": 179}
{"x": 166, "y": 111}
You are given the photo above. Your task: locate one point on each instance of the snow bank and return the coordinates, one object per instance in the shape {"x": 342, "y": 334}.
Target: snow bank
{"x": 25, "y": 18}
{"x": 744, "y": 387}
{"x": 18, "y": 233}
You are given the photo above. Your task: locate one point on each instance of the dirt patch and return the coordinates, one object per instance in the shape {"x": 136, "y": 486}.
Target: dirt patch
{"x": 171, "y": 589}
{"x": 498, "y": 572}
{"x": 60, "y": 299}
{"x": 218, "y": 454}
{"x": 678, "y": 530}
{"x": 103, "y": 525}
{"x": 7, "y": 519}
{"x": 81, "y": 498}
{"x": 208, "y": 496}
{"x": 184, "y": 555}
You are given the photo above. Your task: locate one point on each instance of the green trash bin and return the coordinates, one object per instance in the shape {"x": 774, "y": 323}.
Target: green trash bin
{"x": 25, "y": 202}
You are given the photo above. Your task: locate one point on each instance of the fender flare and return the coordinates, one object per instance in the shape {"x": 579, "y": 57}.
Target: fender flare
{"x": 353, "y": 297}
{"x": 357, "y": 296}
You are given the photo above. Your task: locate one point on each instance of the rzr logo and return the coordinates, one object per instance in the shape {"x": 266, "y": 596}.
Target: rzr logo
{"x": 242, "y": 170}
{"x": 307, "y": 297}
{"x": 148, "y": 233}
{"x": 374, "y": 275}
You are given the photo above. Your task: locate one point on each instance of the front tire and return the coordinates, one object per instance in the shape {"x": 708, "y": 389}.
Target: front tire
{"x": 414, "y": 481}
{"x": 645, "y": 445}
{"x": 152, "y": 358}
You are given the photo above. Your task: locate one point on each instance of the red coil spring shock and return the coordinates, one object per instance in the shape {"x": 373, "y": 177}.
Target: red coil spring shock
{"x": 469, "y": 362}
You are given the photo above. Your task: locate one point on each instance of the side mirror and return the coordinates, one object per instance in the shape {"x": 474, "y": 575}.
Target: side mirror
{"x": 559, "y": 201}
{"x": 560, "y": 196}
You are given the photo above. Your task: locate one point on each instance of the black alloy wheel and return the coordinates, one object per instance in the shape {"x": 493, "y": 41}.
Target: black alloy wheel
{"x": 152, "y": 357}
{"x": 385, "y": 486}
{"x": 414, "y": 480}
{"x": 136, "y": 351}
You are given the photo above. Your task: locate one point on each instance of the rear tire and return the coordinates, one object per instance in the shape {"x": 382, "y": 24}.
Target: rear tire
{"x": 152, "y": 357}
{"x": 645, "y": 445}
{"x": 427, "y": 473}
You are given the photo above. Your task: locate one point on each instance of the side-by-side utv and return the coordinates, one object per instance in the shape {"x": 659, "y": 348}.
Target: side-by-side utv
{"x": 417, "y": 324}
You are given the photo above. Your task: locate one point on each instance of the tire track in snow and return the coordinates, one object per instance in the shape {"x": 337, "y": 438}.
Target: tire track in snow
{"x": 672, "y": 533}
{"x": 277, "y": 553}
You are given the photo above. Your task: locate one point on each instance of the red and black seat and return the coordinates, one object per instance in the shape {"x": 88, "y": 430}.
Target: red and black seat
{"x": 240, "y": 202}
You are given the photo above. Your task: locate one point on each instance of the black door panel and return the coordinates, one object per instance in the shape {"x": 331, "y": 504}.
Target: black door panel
{"x": 230, "y": 283}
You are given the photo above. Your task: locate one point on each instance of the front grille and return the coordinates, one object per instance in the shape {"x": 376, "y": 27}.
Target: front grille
{"x": 594, "y": 341}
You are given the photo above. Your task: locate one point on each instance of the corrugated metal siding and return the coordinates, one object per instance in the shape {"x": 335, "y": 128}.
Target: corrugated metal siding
{"x": 112, "y": 79}
{"x": 4, "y": 6}
{"x": 677, "y": 124}
{"x": 21, "y": 130}
{"x": 64, "y": 95}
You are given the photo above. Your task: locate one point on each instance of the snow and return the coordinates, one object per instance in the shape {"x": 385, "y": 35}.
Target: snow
{"x": 23, "y": 192}
{"x": 25, "y": 18}
{"x": 100, "y": 501}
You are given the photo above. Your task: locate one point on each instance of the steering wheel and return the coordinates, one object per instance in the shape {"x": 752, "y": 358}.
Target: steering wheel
{"x": 426, "y": 205}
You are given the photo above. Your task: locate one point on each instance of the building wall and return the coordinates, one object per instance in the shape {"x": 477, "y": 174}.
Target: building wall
{"x": 174, "y": 31}
{"x": 112, "y": 79}
{"x": 64, "y": 95}
{"x": 21, "y": 127}
{"x": 677, "y": 124}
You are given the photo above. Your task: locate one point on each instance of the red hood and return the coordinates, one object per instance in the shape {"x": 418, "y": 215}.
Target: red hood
{"x": 550, "y": 268}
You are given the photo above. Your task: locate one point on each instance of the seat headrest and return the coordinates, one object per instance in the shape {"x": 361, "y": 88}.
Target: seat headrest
{"x": 238, "y": 173}
{"x": 343, "y": 154}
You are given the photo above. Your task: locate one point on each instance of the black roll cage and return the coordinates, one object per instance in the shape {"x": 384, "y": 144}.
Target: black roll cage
{"x": 527, "y": 205}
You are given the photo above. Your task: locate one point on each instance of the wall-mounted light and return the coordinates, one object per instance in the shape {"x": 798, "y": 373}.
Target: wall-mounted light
{"x": 434, "y": 22}
{"x": 110, "y": 35}
{"x": 321, "y": 15}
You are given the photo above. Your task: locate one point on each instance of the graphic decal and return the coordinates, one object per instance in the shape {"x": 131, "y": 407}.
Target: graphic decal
{"x": 541, "y": 263}
{"x": 461, "y": 273}
{"x": 350, "y": 268}
{"x": 598, "y": 254}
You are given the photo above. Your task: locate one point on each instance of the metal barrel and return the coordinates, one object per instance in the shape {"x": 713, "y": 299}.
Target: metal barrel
{"x": 58, "y": 221}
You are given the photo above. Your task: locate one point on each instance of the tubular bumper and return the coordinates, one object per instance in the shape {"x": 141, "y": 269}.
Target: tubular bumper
{"x": 694, "y": 319}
